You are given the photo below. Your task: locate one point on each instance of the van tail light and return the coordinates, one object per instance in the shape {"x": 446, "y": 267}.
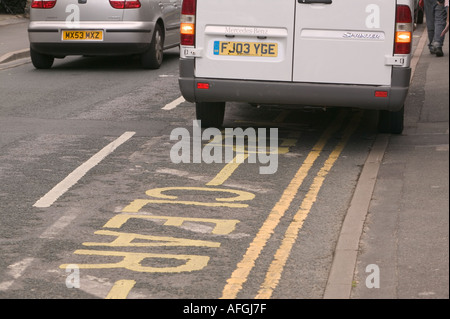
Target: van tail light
{"x": 403, "y": 30}
{"x": 187, "y": 26}
{"x": 203, "y": 86}
{"x": 381, "y": 93}
{"x": 43, "y": 4}
{"x": 125, "y": 4}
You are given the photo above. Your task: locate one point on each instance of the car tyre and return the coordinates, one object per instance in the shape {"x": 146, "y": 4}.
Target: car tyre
{"x": 153, "y": 57}
{"x": 41, "y": 61}
{"x": 211, "y": 114}
{"x": 391, "y": 122}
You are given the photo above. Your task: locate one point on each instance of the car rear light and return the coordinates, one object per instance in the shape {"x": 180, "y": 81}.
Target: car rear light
{"x": 43, "y": 4}
{"x": 187, "y": 27}
{"x": 125, "y": 4}
{"x": 403, "y": 30}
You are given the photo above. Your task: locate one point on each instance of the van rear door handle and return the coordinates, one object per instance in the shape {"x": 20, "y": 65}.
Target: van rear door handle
{"x": 315, "y": 1}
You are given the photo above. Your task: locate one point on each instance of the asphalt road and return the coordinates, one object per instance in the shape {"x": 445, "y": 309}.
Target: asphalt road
{"x": 55, "y": 120}
{"x": 89, "y": 190}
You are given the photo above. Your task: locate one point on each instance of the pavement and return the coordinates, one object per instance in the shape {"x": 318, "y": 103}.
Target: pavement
{"x": 14, "y": 43}
{"x": 401, "y": 249}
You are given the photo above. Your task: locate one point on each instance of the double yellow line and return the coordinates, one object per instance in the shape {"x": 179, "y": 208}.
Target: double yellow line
{"x": 244, "y": 267}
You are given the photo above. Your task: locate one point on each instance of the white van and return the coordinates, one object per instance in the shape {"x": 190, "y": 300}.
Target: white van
{"x": 327, "y": 53}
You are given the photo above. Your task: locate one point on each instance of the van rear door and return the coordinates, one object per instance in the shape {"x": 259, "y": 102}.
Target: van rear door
{"x": 344, "y": 41}
{"x": 314, "y": 41}
{"x": 245, "y": 39}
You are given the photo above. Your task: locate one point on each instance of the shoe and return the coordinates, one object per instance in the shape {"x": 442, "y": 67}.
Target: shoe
{"x": 439, "y": 52}
{"x": 432, "y": 50}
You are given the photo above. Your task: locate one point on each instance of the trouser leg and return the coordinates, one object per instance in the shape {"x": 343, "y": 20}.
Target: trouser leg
{"x": 440, "y": 18}
{"x": 436, "y": 16}
{"x": 429, "y": 16}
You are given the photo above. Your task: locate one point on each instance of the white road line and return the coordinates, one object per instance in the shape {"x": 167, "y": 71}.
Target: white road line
{"x": 174, "y": 104}
{"x": 59, "y": 225}
{"x": 16, "y": 271}
{"x": 48, "y": 199}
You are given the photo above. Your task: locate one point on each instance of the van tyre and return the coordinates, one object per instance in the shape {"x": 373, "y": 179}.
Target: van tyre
{"x": 41, "y": 61}
{"x": 211, "y": 114}
{"x": 419, "y": 17}
{"x": 391, "y": 122}
{"x": 153, "y": 57}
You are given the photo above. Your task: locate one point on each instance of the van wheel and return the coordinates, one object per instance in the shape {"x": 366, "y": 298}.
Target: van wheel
{"x": 391, "y": 122}
{"x": 210, "y": 113}
{"x": 420, "y": 17}
{"x": 153, "y": 57}
{"x": 41, "y": 61}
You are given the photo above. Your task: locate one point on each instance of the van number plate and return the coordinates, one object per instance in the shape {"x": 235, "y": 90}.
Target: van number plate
{"x": 259, "y": 49}
{"x": 91, "y": 35}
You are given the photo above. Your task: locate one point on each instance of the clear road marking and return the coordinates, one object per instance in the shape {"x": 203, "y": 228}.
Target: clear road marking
{"x": 174, "y": 104}
{"x": 121, "y": 289}
{"x": 48, "y": 199}
{"x": 133, "y": 261}
{"x": 275, "y": 271}
{"x": 240, "y": 274}
{"x": 222, "y": 226}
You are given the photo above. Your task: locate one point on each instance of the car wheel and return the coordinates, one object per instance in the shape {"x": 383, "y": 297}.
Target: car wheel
{"x": 153, "y": 57}
{"x": 41, "y": 61}
{"x": 211, "y": 114}
{"x": 391, "y": 122}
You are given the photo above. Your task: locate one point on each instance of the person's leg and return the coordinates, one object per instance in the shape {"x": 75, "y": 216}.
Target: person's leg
{"x": 440, "y": 18}
{"x": 429, "y": 16}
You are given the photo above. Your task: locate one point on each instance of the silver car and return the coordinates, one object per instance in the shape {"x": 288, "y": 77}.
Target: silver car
{"x": 59, "y": 28}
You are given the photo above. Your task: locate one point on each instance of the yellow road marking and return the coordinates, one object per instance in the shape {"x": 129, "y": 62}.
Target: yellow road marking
{"x": 273, "y": 275}
{"x": 121, "y": 289}
{"x": 227, "y": 171}
{"x": 239, "y": 195}
{"x": 136, "y": 205}
{"x": 222, "y": 226}
{"x": 282, "y": 116}
{"x": 132, "y": 261}
{"x": 127, "y": 240}
{"x": 240, "y": 274}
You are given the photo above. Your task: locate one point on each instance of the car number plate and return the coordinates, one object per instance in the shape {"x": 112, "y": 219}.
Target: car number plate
{"x": 78, "y": 35}
{"x": 258, "y": 49}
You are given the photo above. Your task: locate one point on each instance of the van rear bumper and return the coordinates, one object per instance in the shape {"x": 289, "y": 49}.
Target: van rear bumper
{"x": 295, "y": 93}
